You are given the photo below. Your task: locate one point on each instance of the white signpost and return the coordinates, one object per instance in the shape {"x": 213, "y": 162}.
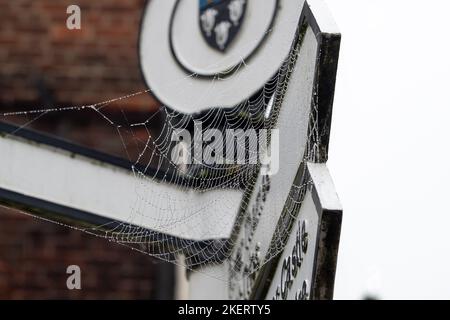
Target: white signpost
{"x": 305, "y": 269}
{"x": 281, "y": 231}
{"x": 300, "y": 198}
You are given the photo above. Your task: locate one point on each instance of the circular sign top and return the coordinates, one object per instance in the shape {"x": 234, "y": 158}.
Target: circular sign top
{"x": 201, "y": 54}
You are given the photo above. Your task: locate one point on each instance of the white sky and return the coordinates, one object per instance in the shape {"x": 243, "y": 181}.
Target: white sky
{"x": 389, "y": 153}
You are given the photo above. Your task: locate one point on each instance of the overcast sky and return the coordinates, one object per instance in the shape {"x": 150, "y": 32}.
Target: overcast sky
{"x": 389, "y": 153}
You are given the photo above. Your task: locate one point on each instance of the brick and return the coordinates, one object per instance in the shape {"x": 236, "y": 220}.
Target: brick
{"x": 41, "y": 42}
{"x": 38, "y": 271}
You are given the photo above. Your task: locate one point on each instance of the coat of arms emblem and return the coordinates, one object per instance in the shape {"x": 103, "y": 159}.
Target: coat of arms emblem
{"x": 221, "y": 20}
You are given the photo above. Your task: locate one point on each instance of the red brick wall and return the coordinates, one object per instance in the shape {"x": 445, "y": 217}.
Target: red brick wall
{"x": 42, "y": 64}
{"x": 96, "y": 63}
{"x": 34, "y": 256}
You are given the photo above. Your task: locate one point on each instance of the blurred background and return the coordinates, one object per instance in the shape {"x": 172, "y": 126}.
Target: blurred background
{"x": 43, "y": 65}
{"x": 389, "y": 149}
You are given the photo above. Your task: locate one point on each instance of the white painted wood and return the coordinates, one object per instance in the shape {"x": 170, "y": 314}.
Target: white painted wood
{"x": 189, "y": 94}
{"x": 293, "y": 125}
{"x": 323, "y": 17}
{"x": 77, "y": 182}
{"x": 209, "y": 283}
{"x": 327, "y": 194}
{"x": 181, "y": 281}
{"x": 289, "y": 285}
{"x": 279, "y": 285}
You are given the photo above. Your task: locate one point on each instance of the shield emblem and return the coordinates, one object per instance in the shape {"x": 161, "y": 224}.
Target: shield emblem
{"x": 221, "y": 20}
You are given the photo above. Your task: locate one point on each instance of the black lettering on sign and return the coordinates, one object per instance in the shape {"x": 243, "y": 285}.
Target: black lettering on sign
{"x": 292, "y": 265}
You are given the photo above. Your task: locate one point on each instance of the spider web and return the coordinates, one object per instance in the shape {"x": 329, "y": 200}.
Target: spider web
{"x": 154, "y": 163}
